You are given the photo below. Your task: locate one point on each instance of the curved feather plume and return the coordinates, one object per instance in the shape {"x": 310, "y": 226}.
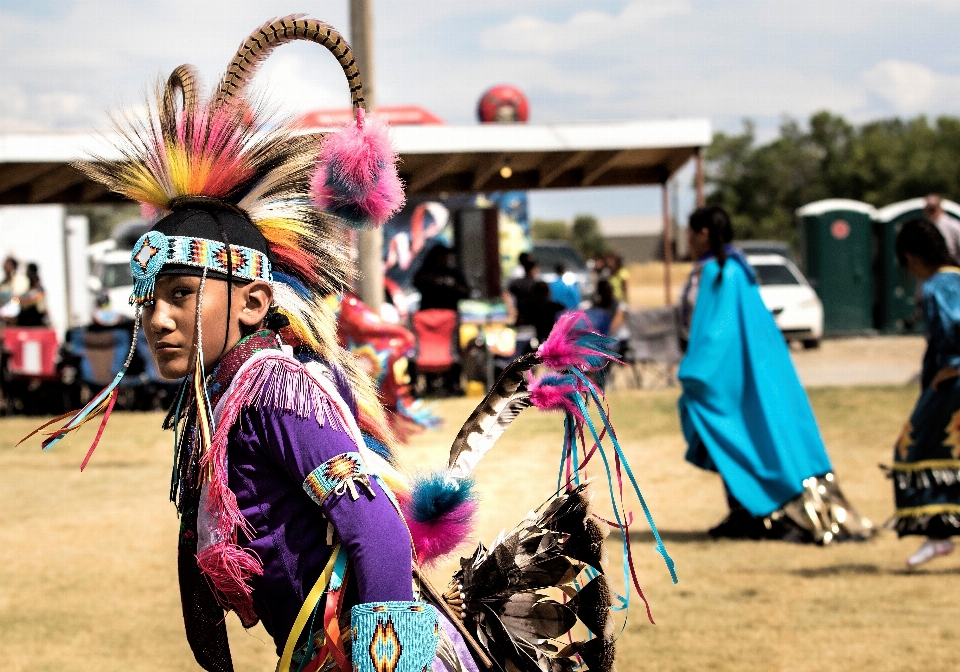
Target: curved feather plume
{"x": 261, "y": 42}
{"x": 508, "y": 397}
{"x": 183, "y": 79}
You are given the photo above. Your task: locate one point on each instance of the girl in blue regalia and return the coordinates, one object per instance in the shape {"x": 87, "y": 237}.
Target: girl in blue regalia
{"x": 926, "y": 470}
{"x": 743, "y": 411}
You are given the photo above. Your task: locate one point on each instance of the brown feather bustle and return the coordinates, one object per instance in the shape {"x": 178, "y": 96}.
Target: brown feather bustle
{"x": 504, "y": 592}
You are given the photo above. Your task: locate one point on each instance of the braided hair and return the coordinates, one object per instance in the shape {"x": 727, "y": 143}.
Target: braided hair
{"x": 716, "y": 220}
{"x": 922, "y": 238}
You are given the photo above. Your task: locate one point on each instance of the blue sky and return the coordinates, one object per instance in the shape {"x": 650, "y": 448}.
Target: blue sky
{"x": 64, "y": 64}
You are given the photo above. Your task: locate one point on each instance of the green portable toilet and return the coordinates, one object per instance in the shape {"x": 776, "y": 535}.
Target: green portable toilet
{"x": 897, "y": 289}
{"x": 837, "y": 250}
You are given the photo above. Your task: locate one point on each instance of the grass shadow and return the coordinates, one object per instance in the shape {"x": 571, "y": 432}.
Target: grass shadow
{"x": 845, "y": 569}
{"x": 865, "y": 569}
{"x": 676, "y": 536}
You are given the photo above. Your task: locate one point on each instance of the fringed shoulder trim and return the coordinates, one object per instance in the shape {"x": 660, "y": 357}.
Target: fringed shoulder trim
{"x": 274, "y": 379}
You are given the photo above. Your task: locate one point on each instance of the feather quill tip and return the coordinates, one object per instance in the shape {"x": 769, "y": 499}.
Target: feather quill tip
{"x": 356, "y": 178}
{"x": 440, "y": 512}
{"x": 573, "y": 343}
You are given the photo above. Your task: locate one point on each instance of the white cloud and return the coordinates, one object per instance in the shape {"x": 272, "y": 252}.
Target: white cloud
{"x": 576, "y": 60}
{"x": 749, "y": 91}
{"x": 912, "y": 88}
{"x": 532, "y": 34}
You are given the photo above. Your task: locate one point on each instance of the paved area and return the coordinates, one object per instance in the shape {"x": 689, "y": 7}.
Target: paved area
{"x": 879, "y": 360}
{"x": 842, "y": 362}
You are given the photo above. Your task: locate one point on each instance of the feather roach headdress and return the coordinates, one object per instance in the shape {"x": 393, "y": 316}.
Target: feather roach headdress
{"x": 241, "y": 196}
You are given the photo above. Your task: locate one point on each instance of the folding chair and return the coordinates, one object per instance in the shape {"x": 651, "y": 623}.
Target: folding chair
{"x": 437, "y": 352}
{"x": 653, "y": 350}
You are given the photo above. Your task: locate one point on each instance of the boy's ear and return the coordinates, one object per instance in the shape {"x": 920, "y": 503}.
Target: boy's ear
{"x": 256, "y": 300}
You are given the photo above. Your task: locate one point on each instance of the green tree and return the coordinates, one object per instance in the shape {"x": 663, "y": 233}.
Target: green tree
{"x": 550, "y": 229}
{"x": 880, "y": 162}
{"x": 586, "y": 236}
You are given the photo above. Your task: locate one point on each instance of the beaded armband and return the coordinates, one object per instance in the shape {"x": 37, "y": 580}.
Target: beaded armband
{"x": 393, "y": 636}
{"x": 337, "y": 476}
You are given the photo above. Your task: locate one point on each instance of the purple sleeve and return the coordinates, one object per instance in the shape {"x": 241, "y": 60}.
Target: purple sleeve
{"x": 370, "y": 529}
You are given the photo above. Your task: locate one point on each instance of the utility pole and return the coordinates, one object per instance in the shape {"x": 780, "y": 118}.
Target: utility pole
{"x": 667, "y": 242}
{"x": 369, "y": 242}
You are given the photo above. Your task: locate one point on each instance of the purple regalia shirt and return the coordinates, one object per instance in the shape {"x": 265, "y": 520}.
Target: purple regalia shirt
{"x": 270, "y": 454}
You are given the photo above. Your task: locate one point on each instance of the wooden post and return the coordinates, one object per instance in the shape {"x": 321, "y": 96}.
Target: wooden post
{"x": 701, "y": 199}
{"x": 369, "y": 241}
{"x": 667, "y": 244}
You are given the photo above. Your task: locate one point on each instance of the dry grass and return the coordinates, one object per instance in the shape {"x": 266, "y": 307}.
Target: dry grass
{"x": 89, "y": 578}
{"x": 646, "y": 283}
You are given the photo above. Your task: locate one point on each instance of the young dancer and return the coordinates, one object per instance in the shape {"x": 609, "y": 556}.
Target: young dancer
{"x": 293, "y": 511}
{"x": 927, "y": 453}
{"x": 743, "y": 411}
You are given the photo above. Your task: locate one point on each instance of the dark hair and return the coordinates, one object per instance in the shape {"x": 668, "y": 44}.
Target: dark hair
{"x": 541, "y": 291}
{"x": 716, "y": 220}
{"x": 604, "y": 297}
{"x": 436, "y": 259}
{"x": 921, "y": 237}
{"x": 529, "y": 263}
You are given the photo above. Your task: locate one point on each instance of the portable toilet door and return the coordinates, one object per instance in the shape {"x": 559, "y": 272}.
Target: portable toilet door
{"x": 837, "y": 250}
{"x": 898, "y": 310}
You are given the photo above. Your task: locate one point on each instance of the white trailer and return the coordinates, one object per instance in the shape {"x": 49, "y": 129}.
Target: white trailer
{"x": 46, "y": 236}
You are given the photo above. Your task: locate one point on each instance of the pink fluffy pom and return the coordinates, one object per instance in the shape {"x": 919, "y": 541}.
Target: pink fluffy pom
{"x": 443, "y": 535}
{"x": 555, "y": 393}
{"x": 573, "y": 343}
{"x": 440, "y": 512}
{"x": 356, "y": 177}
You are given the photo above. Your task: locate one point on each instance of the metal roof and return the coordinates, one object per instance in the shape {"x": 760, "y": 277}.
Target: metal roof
{"x": 890, "y": 212}
{"x": 833, "y": 205}
{"x": 434, "y": 159}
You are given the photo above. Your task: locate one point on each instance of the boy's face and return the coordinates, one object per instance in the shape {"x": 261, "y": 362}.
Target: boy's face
{"x": 170, "y": 323}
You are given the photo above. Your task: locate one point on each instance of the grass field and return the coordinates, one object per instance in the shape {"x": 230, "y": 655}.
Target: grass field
{"x": 88, "y": 560}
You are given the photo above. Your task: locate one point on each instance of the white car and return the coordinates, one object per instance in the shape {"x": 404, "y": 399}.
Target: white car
{"x": 112, "y": 269}
{"x": 786, "y": 293}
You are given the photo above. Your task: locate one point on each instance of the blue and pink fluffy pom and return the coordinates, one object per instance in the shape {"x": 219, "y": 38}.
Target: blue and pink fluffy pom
{"x": 356, "y": 178}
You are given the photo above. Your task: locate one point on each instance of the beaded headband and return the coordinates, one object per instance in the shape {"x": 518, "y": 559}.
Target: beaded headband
{"x": 155, "y": 250}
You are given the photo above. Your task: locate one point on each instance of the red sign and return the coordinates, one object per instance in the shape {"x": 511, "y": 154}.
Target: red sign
{"x": 840, "y": 229}
{"x": 395, "y": 115}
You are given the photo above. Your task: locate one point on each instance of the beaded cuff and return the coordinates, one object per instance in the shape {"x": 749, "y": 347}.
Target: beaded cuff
{"x": 154, "y": 250}
{"x": 337, "y": 476}
{"x": 394, "y": 636}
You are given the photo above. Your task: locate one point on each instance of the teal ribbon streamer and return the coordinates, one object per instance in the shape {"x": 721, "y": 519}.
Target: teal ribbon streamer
{"x": 661, "y": 549}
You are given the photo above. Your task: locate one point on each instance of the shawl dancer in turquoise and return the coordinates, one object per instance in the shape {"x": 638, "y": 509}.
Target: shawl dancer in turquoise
{"x": 926, "y": 468}
{"x": 743, "y": 410}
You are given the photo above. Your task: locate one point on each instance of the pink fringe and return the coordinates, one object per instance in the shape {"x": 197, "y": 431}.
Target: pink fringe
{"x": 357, "y": 170}
{"x": 548, "y": 394}
{"x": 443, "y": 535}
{"x": 274, "y": 382}
{"x": 228, "y": 567}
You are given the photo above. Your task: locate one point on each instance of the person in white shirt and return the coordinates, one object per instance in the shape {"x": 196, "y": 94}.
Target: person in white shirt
{"x": 949, "y": 226}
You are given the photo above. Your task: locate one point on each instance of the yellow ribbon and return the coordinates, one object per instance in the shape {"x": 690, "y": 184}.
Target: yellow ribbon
{"x": 309, "y": 604}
